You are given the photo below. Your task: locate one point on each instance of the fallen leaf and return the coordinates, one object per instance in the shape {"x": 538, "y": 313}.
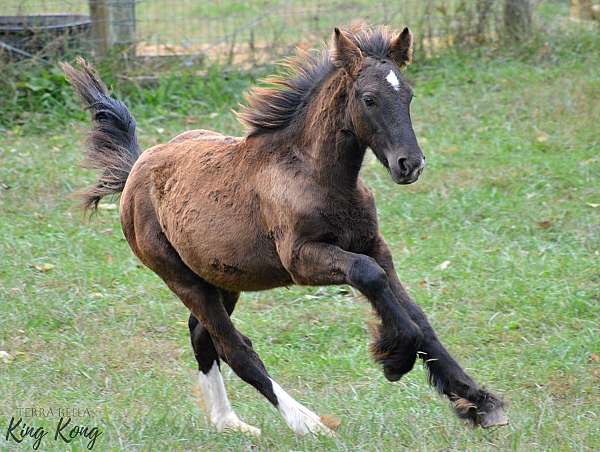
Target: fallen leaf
{"x": 593, "y": 205}
{"x": 444, "y": 265}
{"x": 331, "y": 421}
{"x": 5, "y": 357}
{"x": 44, "y": 268}
{"x": 542, "y": 137}
{"x": 595, "y": 358}
{"x": 544, "y": 224}
{"x": 422, "y": 283}
{"x": 107, "y": 206}
{"x": 450, "y": 150}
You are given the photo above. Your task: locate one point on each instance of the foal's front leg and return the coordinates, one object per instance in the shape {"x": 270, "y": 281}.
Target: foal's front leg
{"x": 316, "y": 263}
{"x": 445, "y": 374}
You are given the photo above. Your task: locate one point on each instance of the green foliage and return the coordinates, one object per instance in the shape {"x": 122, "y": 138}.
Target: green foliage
{"x": 36, "y": 96}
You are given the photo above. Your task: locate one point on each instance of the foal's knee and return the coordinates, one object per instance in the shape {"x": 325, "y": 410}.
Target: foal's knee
{"x": 367, "y": 276}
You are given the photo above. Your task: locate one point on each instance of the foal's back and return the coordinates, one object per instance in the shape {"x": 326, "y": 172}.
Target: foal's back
{"x": 200, "y": 188}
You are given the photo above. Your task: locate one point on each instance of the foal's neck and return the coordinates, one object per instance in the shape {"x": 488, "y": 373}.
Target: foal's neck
{"x": 327, "y": 135}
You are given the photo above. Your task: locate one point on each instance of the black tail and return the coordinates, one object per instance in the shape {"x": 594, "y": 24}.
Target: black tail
{"x": 112, "y": 144}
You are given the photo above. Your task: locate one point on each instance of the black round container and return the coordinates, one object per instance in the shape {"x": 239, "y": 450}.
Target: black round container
{"x": 51, "y": 33}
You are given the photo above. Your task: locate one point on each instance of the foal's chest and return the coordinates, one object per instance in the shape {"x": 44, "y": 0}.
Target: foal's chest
{"x": 355, "y": 232}
{"x": 351, "y": 223}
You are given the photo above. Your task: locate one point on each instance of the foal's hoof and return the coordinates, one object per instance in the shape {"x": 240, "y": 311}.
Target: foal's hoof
{"x": 487, "y": 412}
{"x": 232, "y": 423}
{"x": 392, "y": 374}
{"x": 303, "y": 421}
{"x": 494, "y": 418}
{"x": 310, "y": 423}
{"x": 490, "y": 413}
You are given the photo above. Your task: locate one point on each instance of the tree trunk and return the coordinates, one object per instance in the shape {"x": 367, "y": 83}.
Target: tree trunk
{"x": 581, "y": 9}
{"x": 517, "y": 18}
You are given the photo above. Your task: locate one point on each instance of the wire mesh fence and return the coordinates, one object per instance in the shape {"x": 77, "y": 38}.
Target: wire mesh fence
{"x": 231, "y": 32}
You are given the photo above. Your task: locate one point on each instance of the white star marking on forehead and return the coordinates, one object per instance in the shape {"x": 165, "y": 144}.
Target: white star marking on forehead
{"x": 393, "y": 80}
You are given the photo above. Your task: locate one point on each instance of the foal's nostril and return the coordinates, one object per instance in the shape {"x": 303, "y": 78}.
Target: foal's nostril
{"x": 403, "y": 165}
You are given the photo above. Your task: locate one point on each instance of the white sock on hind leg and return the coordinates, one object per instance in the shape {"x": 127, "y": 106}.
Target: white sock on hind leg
{"x": 217, "y": 404}
{"x": 300, "y": 419}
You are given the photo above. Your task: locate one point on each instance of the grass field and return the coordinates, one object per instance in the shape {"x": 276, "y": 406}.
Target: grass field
{"x": 509, "y": 204}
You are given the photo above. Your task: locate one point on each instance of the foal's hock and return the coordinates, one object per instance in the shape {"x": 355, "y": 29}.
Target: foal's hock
{"x": 214, "y": 215}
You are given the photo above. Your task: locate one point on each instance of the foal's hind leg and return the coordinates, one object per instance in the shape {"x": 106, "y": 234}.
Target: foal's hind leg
{"x": 206, "y": 303}
{"x": 144, "y": 234}
{"x": 236, "y": 350}
{"x": 210, "y": 380}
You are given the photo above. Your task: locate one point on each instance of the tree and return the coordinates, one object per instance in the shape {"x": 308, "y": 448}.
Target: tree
{"x": 517, "y": 18}
{"x": 581, "y": 9}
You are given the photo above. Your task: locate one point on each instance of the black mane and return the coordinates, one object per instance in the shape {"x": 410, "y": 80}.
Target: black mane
{"x": 275, "y": 106}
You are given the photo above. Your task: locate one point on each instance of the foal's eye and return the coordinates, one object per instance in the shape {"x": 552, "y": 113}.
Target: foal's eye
{"x": 369, "y": 101}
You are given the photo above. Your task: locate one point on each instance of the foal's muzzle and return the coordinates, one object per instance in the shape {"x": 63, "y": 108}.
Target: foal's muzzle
{"x": 406, "y": 170}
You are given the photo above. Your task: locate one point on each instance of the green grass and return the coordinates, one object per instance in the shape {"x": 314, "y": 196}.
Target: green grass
{"x": 510, "y": 197}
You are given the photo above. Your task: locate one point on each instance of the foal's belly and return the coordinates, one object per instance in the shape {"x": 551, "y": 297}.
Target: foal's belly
{"x": 234, "y": 261}
{"x": 237, "y": 264}
{"x": 222, "y": 241}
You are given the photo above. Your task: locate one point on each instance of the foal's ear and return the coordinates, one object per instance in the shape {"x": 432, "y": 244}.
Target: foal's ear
{"x": 401, "y": 48}
{"x": 345, "y": 53}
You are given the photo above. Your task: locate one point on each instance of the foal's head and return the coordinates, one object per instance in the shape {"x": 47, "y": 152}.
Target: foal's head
{"x": 379, "y": 98}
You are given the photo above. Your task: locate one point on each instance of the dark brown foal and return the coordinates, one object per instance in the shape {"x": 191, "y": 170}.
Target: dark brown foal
{"x": 214, "y": 216}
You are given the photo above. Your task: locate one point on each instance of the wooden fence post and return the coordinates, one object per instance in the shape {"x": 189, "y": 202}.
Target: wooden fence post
{"x": 100, "y": 17}
{"x": 113, "y": 24}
